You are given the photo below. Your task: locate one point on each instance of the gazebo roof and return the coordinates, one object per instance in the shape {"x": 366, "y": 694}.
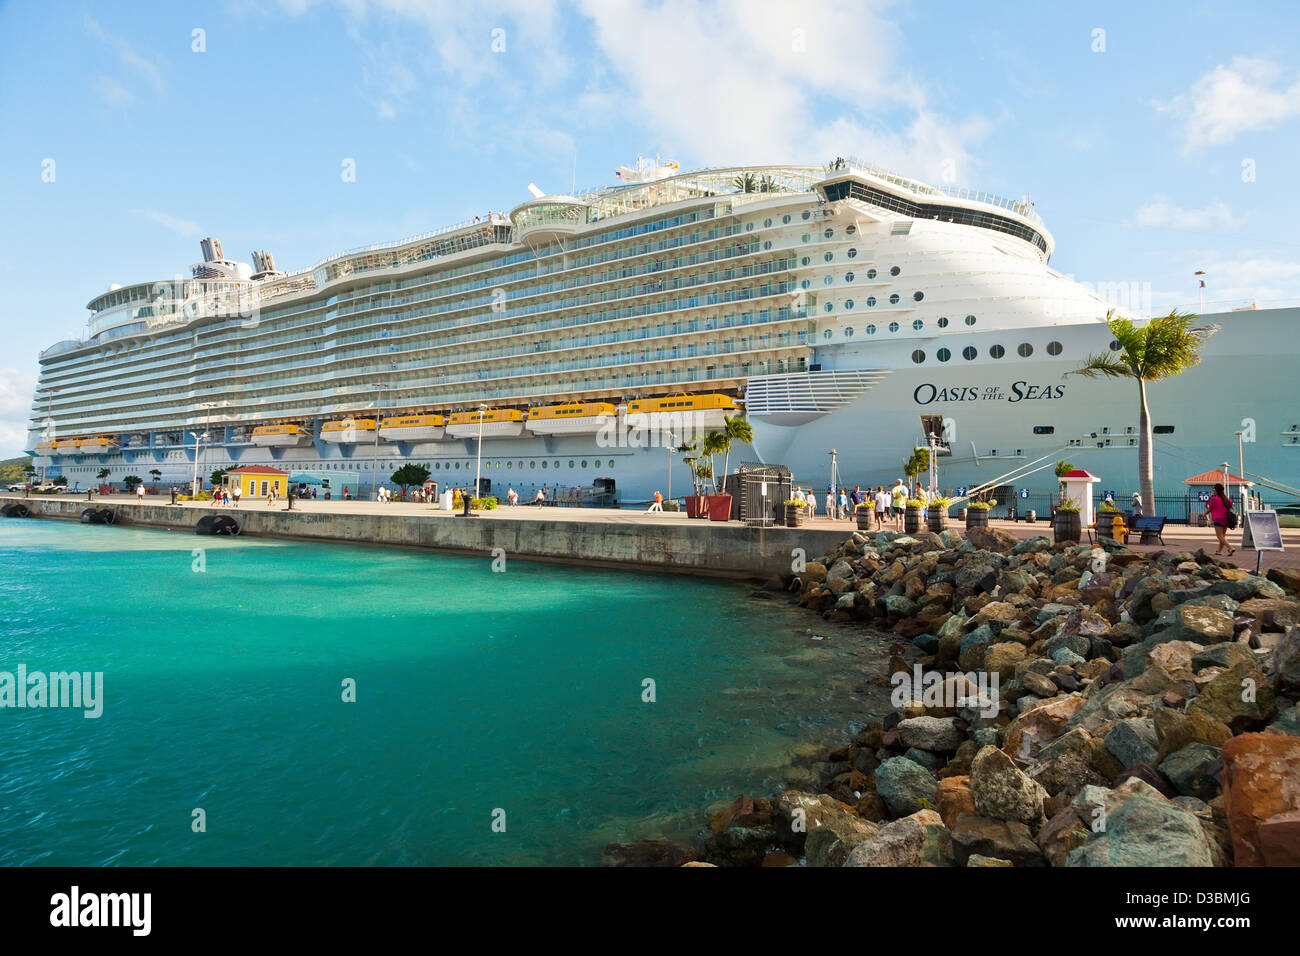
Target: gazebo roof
{"x": 1214, "y": 477}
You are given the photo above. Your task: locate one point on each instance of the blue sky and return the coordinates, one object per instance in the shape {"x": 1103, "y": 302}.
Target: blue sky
{"x": 1162, "y": 145}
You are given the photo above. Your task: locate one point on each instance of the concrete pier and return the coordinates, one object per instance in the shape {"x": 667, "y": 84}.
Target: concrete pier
{"x": 630, "y": 540}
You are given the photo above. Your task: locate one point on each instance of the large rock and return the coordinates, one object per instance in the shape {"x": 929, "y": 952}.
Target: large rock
{"x": 1001, "y": 839}
{"x": 919, "y": 839}
{"x": 1175, "y": 730}
{"x": 938, "y": 734}
{"x": 1286, "y": 660}
{"x": 1201, "y": 624}
{"x": 1272, "y": 614}
{"x": 656, "y": 852}
{"x": 795, "y": 814}
{"x": 1288, "y": 578}
{"x": 1261, "y": 779}
{"x": 1240, "y": 697}
{"x": 953, "y": 797}
{"x": 1146, "y": 831}
{"x": 974, "y": 645}
{"x": 1133, "y": 741}
{"x": 1001, "y": 791}
{"x": 1189, "y": 769}
{"x": 1073, "y": 760}
{"x": 1001, "y": 659}
{"x": 1062, "y": 835}
{"x": 1279, "y": 839}
{"x": 1034, "y": 729}
{"x": 830, "y": 843}
{"x": 904, "y": 784}
{"x": 1175, "y": 657}
{"x": 992, "y": 539}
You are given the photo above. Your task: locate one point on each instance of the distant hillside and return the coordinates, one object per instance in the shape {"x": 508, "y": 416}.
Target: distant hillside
{"x": 14, "y": 469}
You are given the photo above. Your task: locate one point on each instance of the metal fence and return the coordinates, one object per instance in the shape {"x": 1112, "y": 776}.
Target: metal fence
{"x": 1175, "y": 509}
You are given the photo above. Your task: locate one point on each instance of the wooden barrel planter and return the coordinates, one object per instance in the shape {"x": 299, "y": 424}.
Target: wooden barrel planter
{"x": 912, "y": 519}
{"x": 937, "y": 518}
{"x": 977, "y": 518}
{"x": 793, "y": 516}
{"x": 1106, "y": 523}
{"x": 1066, "y": 526}
{"x": 866, "y": 518}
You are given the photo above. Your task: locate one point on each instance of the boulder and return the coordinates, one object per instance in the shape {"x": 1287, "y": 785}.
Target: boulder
{"x": 1279, "y": 839}
{"x": 1286, "y": 660}
{"x": 939, "y": 734}
{"x": 1038, "y": 726}
{"x": 1001, "y": 791}
{"x": 1240, "y": 697}
{"x": 1201, "y": 625}
{"x": 1175, "y": 730}
{"x": 830, "y": 843}
{"x": 1002, "y": 839}
{"x": 1133, "y": 741}
{"x": 1073, "y": 760}
{"x": 1146, "y": 831}
{"x": 1001, "y": 659}
{"x": 1272, "y": 614}
{"x": 742, "y": 812}
{"x": 1261, "y": 779}
{"x": 1060, "y": 836}
{"x": 905, "y": 842}
{"x": 1175, "y": 657}
{"x": 903, "y": 784}
{"x": 814, "y": 572}
{"x": 1190, "y": 770}
{"x": 1288, "y": 722}
{"x": 1223, "y": 655}
{"x": 655, "y": 852}
{"x": 795, "y": 814}
{"x": 953, "y": 797}
{"x": 1288, "y": 578}
{"x": 970, "y": 656}
{"x": 992, "y": 539}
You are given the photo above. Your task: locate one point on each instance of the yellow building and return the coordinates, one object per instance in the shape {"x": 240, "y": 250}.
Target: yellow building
{"x": 257, "y": 481}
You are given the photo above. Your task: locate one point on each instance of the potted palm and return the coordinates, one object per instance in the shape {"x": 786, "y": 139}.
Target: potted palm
{"x": 1065, "y": 522}
{"x": 936, "y": 514}
{"x": 913, "y": 509}
{"x": 977, "y": 513}
{"x": 719, "y": 443}
{"x": 794, "y": 513}
{"x": 865, "y": 514}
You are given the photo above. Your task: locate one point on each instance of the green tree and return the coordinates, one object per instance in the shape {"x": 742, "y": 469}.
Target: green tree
{"x": 103, "y": 473}
{"x": 1163, "y": 347}
{"x": 690, "y": 456}
{"x": 746, "y": 183}
{"x": 409, "y": 474}
{"x": 734, "y": 429}
{"x": 156, "y": 475}
{"x": 61, "y": 481}
{"x": 218, "y": 477}
{"x": 768, "y": 185}
{"x": 919, "y": 462}
{"x": 131, "y": 481}
{"x": 1062, "y": 469}
{"x": 715, "y": 442}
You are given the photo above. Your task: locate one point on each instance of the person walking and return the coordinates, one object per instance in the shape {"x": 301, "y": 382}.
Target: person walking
{"x": 898, "y": 499}
{"x": 1137, "y": 505}
{"x": 844, "y": 505}
{"x": 238, "y": 490}
{"x": 1219, "y": 508}
{"x": 882, "y": 505}
{"x": 658, "y": 504}
{"x": 541, "y": 497}
{"x": 139, "y": 492}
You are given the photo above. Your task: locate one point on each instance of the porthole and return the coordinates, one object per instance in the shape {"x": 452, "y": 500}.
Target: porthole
{"x": 871, "y": 273}
{"x": 828, "y": 233}
{"x": 918, "y": 324}
{"x": 828, "y": 307}
{"x": 509, "y": 465}
{"x": 918, "y": 296}
{"x": 828, "y": 280}
{"x": 969, "y": 353}
{"x": 895, "y": 271}
{"x": 850, "y": 230}
{"x": 848, "y": 330}
{"x": 997, "y": 351}
{"x": 437, "y": 465}
{"x": 570, "y": 464}
{"x": 806, "y": 214}
{"x": 1053, "y": 348}
{"x": 943, "y": 321}
{"x": 767, "y": 244}
{"x": 749, "y": 227}
{"x": 918, "y": 356}
{"x": 611, "y": 463}
{"x": 786, "y": 219}
{"x": 806, "y": 260}
{"x": 584, "y": 463}
{"x": 532, "y": 464}
{"x": 852, "y": 253}
{"x": 827, "y": 334}
{"x": 806, "y": 283}
{"x": 848, "y": 277}
{"x": 1114, "y": 345}
{"x": 829, "y": 257}
{"x": 871, "y": 300}
{"x": 1025, "y": 350}
{"x": 848, "y": 303}
{"x": 893, "y": 299}
{"x": 893, "y": 326}
{"x": 871, "y": 330}
{"x": 805, "y": 237}
{"x": 767, "y": 223}
{"x": 970, "y": 320}
{"x": 943, "y": 355}
{"x": 458, "y": 466}
{"x": 521, "y": 466}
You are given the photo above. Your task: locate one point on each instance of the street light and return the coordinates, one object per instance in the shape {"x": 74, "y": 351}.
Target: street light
{"x": 194, "y": 481}
{"x": 478, "y": 460}
{"x": 374, "y": 461}
{"x": 1200, "y": 291}
{"x": 49, "y": 430}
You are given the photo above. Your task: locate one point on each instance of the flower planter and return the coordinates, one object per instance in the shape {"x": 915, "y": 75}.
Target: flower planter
{"x": 912, "y": 519}
{"x": 1066, "y": 526}
{"x": 866, "y": 519}
{"x": 719, "y": 507}
{"x": 696, "y": 506}
{"x": 937, "y": 518}
{"x": 977, "y": 518}
{"x": 793, "y": 516}
{"x": 1106, "y": 523}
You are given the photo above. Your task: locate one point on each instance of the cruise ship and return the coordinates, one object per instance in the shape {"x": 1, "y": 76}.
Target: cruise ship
{"x": 565, "y": 345}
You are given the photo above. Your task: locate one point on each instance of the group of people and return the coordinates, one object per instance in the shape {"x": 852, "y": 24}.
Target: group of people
{"x": 226, "y": 496}
{"x": 889, "y": 503}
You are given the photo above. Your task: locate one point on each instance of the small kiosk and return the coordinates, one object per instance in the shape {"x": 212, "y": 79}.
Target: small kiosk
{"x": 257, "y": 481}
{"x": 1078, "y": 485}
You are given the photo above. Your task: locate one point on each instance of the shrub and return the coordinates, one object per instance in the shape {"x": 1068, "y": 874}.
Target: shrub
{"x": 940, "y": 502}
{"x": 795, "y": 504}
{"x": 483, "y": 504}
{"x": 914, "y": 503}
{"x": 980, "y": 505}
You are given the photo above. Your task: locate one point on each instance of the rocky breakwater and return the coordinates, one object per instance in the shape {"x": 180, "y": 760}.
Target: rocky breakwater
{"x": 1055, "y": 705}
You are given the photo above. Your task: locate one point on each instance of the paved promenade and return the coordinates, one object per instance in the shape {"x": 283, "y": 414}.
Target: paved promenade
{"x": 1177, "y": 537}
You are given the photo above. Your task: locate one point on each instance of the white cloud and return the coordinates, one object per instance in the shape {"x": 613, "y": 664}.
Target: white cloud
{"x": 1160, "y": 213}
{"x": 182, "y": 227}
{"x": 112, "y": 92}
{"x": 127, "y": 54}
{"x": 16, "y": 391}
{"x": 1246, "y": 95}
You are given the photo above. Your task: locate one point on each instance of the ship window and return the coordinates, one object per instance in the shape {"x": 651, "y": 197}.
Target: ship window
{"x": 871, "y": 273}
{"x": 805, "y": 284}
{"x": 848, "y": 277}
{"x": 850, "y": 230}
{"x": 805, "y": 237}
{"x": 828, "y": 233}
{"x": 767, "y": 244}
{"x": 852, "y": 253}
{"x": 918, "y": 296}
{"x": 943, "y": 321}
{"x": 871, "y": 300}
{"x": 848, "y": 303}
{"x": 918, "y": 356}
{"x": 1044, "y": 429}
{"x": 969, "y": 353}
{"x": 1114, "y": 345}
{"x": 893, "y": 326}
{"x": 829, "y": 257}
{"x": 943, "y": 355}
{"x": 829, "y": 307}
{"x": 828, "y": 280}
{"x": 997, "y": 351}
{"x": 918, "y": 325}
{"x": 893, "y": 299}
{"x": 1053, "y": 348}
{"x": 532, "y": 464}
{"x": 521, "y": 464}
{"x": 895, "y": 271}
{"x": 871, "y": 330}
{"x": 970, "y": 320}
{"x": 806, "y": 214}
{"x": 1163, "y": 430}
{"x": 584, "y": 463}
{"x": 458, "y": 466}
{"x": 805, "y": 260}
{"x": 827, "y": 333}
{"x": 1025, "y": 350}
{"x": 510, "y": 464}
{"x": 749, "y": 227}
{"x": 848, "y": 330}
{"x": 785, "y": 218}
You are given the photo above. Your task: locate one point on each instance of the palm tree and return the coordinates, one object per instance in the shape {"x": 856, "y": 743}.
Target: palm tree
{"x": 156, "y": 475}
{"x": 1163, "y": 347}
{"x": 746, "y": 183}
{"x": 1062, "y": 469}
{"x": 767, "y": 185}
{"x": 715, "y": 443}
{"x": 734, "y": 429}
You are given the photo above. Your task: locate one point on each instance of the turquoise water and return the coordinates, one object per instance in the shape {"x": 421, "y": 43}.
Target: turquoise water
{"x": 476, "y": 692}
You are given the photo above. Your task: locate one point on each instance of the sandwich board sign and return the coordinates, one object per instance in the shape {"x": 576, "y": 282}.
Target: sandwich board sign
{"x": 1260, "y": 531}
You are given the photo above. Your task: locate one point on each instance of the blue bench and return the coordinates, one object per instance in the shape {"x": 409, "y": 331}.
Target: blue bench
{"x": 1150, "y": 527}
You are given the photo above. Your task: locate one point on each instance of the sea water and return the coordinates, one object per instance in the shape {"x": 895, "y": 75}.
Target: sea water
{"x": 272, "y": 703}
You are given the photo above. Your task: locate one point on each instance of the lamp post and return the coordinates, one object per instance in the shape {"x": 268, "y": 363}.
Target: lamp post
{"x": 478, "y": 457}
{"x": 374, "y": 461}
{"x": 1200, "y": 291}
{"x": 49, "y": 430}
{"x": 833, "y": 484}
{"x": 672, "y": 444}
{"x": 194, "y": 481}
{"x": 1241, "y": 472}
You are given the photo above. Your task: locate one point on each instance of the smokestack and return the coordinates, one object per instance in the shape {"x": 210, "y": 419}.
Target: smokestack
{"x": 211, "y": 249}
{"x": 263, "y": 262}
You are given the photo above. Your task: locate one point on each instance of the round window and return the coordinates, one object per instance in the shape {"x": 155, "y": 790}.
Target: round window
{"x": 806, "y": 214}
{"x": 584, "y": 463}
{"x": 893, "y": 299}
{"x": 806, "y": 283}
{"x": 997, "y": 351}
{"x": 570, "y": 464}
{"x": 893, "y": 326}
{"x": 852, "y": 253}
{"x": 767, "y": 244}
{"x": 1114, "y": 345}
{"x": 969, "y": 353}
{"x": 918, "y": 296}
{"x": 749, "y": 227}
{"x": 611, "y": 463}
{"x": 970, "y": 320}
{"x": 543, "y": 465}
{"x": 1053, "y": 348}
{"x": 806, "y": 260}
{"x": 532, "y": 464}
{"x": 827, "y": 334}
{"x": 848, "y": 303}
{"x": 785, "y": 219}
{"x": 895, "y": 271}
{"x": 848, "y": 330}
{"x": 1025, "y": 350}
{"x": 918, "y": 324}
{"x": 918, "y": 356}
{"x": 828, "y": 233}
{"x": 828, "y": 280}
{"x": 943, "y": 321}
{"x": 943, "y": 355}
{"x": 767, "y": 223}
{"x": 830, "y": 256}
{"x": 848, "y": 277}
{"x": 871, "y": 300}
{"x": 871, "y": 330}
{"x": 510, "y": 464}
{"x": 850, "y": 230}
{"x": 828, "y": 307}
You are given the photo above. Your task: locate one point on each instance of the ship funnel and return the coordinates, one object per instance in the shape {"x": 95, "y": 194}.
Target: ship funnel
{"x": 211, "y": 249}
{"x": 537, "y": 193}
{"x": 263, "y": 262}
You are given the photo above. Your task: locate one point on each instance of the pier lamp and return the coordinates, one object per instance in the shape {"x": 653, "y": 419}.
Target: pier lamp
{"x": 49, "y": 430}
{"x": 478, "y": 458}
